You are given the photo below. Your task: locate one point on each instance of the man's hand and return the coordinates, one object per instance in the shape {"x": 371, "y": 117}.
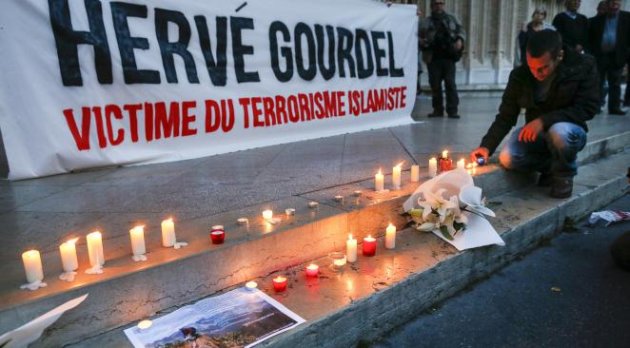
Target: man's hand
{"x": 479, "y": 152}
{"x": 530, "y": 131}
{"x": 458, "y": 44}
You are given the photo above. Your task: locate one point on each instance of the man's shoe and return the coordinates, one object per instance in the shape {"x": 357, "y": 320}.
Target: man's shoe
{"x": 561, "y": 187}
{"x": 453, "y": 116}
{"x": 436, "y": 114}
{"x": 544, "y": 180}
{"x": 617, "y": 112}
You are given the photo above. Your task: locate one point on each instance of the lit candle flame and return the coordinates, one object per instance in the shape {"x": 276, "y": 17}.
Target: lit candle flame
{"x": 399, "y": 164}
{"x": 145, "y": 324}
{"x": 72, "y": 241}
{"x": 445, "y": 154}
{"x": 379, "y": 171}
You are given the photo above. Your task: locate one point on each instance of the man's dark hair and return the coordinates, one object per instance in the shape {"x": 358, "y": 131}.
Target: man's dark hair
{"x": 544, "y": 41}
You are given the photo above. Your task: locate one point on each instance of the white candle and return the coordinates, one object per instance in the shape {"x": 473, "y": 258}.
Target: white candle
{"x": 351, "y": 249}
{"x": 390, "y": 237}
{"x": 95, "y": 249}
{"x": 379, "y": 181}
{"x": 445, "y": 154}
{"x": 267, "y": 214}
{"x": 415, "y": 173}
{"x": 251, "y": 285}
{"x": 137, "y": 240}
{"x": 396, "y": 176}
{"x": 168, "y": 233}
{"x": 461, "y": 164}
{"x": 33, "y": 266}
{"x": 68, "y": 253}
{"x": 433, "y": 167}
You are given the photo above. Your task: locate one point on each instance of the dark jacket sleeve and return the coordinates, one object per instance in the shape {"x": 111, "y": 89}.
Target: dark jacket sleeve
{"x": 507, "y": 117}
{"x": 585, "y": 101}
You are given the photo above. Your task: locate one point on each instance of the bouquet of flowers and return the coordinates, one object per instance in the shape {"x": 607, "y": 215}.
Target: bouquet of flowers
{"x": 451, "y": 207}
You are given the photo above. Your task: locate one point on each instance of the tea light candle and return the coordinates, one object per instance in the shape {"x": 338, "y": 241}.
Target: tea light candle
{"x": 68, "y": 253}
{"x": 312, "y": 270}
{"x": 289, "y": 211}
{"x": 217, "y": 234}
{"x": 396, "y": 174}
{"x": 267, "y": 214}
{"x": 280, "y": 283}
{"x": 168, "y": 233}
{"x": 379, "y": 181}
{"x": 95, "y": 249}
{"x": 251, "y": 285}
{"x": 357, "y": 193}
{"x": 445, "y": 163}
{"x": 351, "y": 249}
{"x": 390, "y": 236}
{"x": 415, "y": 173}
{"x": 338, "y": 198}
{"x": 137, "y": 241}
{"x": 33, "y": 266}
{"x": 433, "y": 167}
{"x": 461, "y": 164}
{"x": 242, "y": 221}
{"x": 145, "y": 324}
{"x": 338, "y": 263}
{"x": 313, "y": 204}
{"x": 369, "y": 246}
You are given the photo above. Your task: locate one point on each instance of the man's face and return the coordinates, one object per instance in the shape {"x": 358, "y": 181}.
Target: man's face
{"x": 542, "y": 67}
{"x": 573, "y": 5}
{"x": 614, "y": 6}
{"x": 437, "y": 6}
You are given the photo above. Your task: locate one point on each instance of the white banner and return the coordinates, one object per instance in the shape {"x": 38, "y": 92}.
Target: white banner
{"x": 88, "y": 83}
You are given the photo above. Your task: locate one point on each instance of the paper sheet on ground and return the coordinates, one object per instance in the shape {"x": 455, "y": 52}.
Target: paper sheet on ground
{"x": 238, "y": 318}
{"x": 29, "y": 332}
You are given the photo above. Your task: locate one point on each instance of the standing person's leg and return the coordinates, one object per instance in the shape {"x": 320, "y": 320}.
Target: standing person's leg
{"x": 564, "y": 140}
{"x": 452, "y": 99}
{"x": 614, "y": 89}
{"x": 603, "y": 86}
{"x": 435, "y": 80}
{"x": 626, "y": 98}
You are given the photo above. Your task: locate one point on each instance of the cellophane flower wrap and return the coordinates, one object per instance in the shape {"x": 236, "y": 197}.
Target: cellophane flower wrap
{"x": 452, "y": 207}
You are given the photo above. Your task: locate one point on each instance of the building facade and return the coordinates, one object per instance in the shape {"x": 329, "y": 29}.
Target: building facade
{"x": 491, "y": 30}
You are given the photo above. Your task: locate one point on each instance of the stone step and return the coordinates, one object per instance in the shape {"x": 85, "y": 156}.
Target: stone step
{"x": 128, "y": 291}
{"x": 377, "y": 294}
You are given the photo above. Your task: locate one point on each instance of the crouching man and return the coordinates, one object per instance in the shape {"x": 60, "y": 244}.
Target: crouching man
{"x": 559, "y": 90}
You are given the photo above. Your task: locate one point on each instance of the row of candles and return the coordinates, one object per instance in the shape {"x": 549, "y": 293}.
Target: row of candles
{"x": 33, "y": 267}
{"x": 339, "y": 259}
{"x": 436, "y": 165}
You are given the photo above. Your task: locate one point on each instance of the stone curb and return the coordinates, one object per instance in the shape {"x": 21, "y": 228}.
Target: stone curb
{"x": 368, "y": 318}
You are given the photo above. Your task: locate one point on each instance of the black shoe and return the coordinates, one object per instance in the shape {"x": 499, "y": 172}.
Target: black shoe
{"x": 617, "y": 112}
{"x": 436, "y": 114}
{"x": 561, "y": 187}
{"x": 453, "y": 116}
{"x": 544, "y": 180}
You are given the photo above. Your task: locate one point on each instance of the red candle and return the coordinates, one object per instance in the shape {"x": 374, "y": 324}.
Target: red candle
{"x": 369, "y": 246}
{"x": 280, "y": 283}
{"x": 312, "y": 270}
{"x": 217, "y": 234}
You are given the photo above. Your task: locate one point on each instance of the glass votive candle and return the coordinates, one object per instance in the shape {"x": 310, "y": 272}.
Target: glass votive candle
{"x": 251, "y": 285}
{"x": 312, "y": 270}
{"x": 338, "y": 260}
{"x": 217, "y": 234}
{"x": 369, "y": 246}
{"x": 280, "y": 283}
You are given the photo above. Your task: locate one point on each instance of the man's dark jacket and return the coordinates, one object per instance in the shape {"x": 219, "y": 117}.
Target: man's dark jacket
{"x": 573, "y": 97}
{"x": 596, "y": 30}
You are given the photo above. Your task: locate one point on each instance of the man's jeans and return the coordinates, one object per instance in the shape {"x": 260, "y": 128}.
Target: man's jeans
{"x": 554, "y": 151}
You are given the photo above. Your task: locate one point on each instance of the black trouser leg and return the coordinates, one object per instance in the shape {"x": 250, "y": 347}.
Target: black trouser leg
{"x": 452, "y": 99}
{"x": 435, "y": 80}
{"x": 614, "y": 87}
